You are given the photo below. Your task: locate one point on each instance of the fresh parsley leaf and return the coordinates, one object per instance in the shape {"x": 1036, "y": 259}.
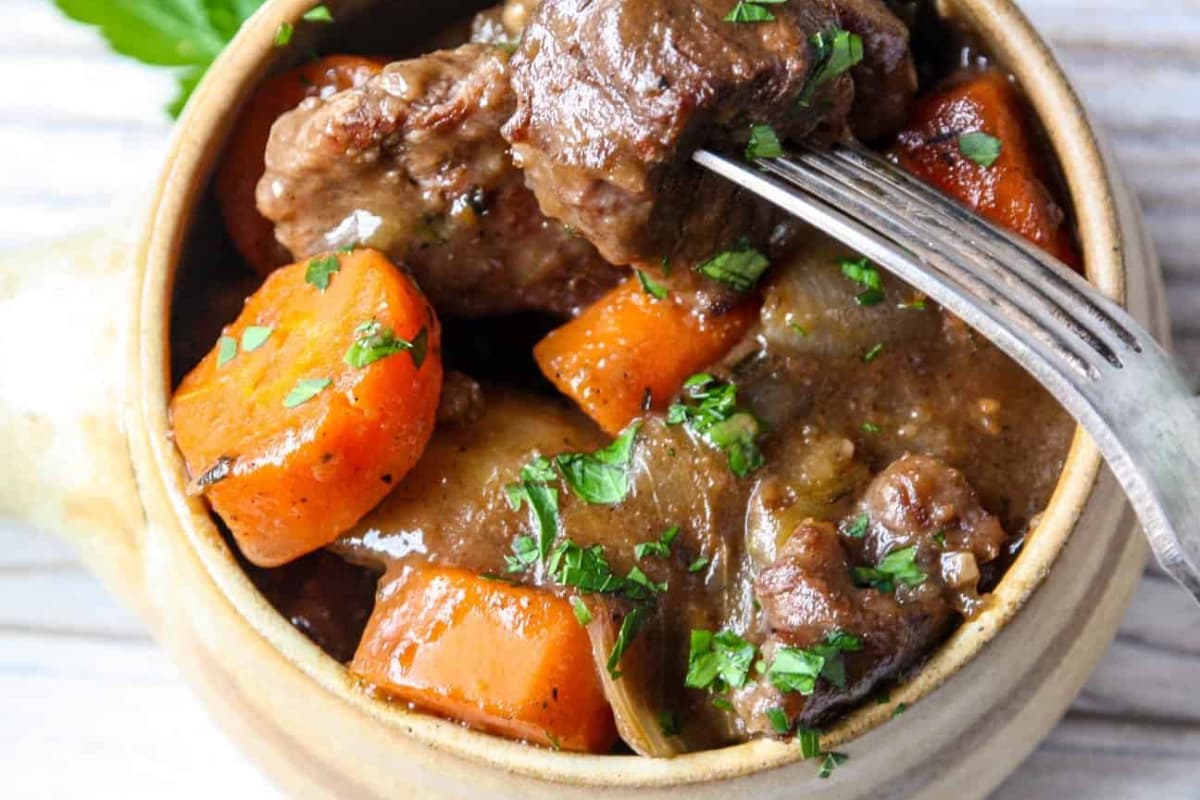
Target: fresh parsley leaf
{"x": 306, "y": 390}
{"x": 227, "y": 348}
{"x": 751, "y": 11}
{"x": 535, "y": 489}
{"x": 661, "y": 548}
{"x": 639, "y": 578}
{"x": 832, "y": 761}
{"x": 898, "y": 566}
{"x": 764, "y": 143}
{"x": 980, "y": 147}
{"x": 630, "y": 626}
{"x": 939, "y": 539}
{"x": 779, "y": 720}
{"x": 603, "y": 476}
{"x": 872, "y": 352}
{"x": 651, "y": 286}
{"x": 668, "y": 721}
{"x": 700, "y": 563}
{"x": 857, "y": 527}
{"x": 833, "y": 52}
{"x": 737, "y": 437}
{"x": 722, "y": 703}
{"x": 284, "y": 34}
{"x": 862, "y": 272}
{"x": 871, "y": 427}
{"x": 718, "y": 661}
{"x": 796, "y": 669}
{"x": 524, "y": 554}
{"x": 319, "y": 13}
{"x": 798, "y": 329}
{"x": 255, "y": 337}
{"x": 374, "y": 341}
{"x": 899, "y": 709}
{"x": 710, "y": 411}
{"x": 739, "y": 267}
{"x": 320, "y": 270}
{"x": 581, "y": 611}
{"x": 809, "y": 740}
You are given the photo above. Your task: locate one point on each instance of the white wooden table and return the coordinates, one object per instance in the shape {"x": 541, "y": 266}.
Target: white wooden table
{"x": 91, "y": 708}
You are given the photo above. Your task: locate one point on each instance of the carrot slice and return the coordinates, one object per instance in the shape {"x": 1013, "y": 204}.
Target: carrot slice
{"x": 290, "y": 441}
{"x": 628, "y": 343}
{"x": 243, "y": 165}
{"x": 1009, "y": 191}
{"x": 506, "y": 659}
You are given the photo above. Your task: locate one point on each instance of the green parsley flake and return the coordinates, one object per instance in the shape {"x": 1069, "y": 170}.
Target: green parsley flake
{"x": 699, "y": 564}
{"x": 899, "y": 709}
{"x": 603, "y": 476}
{"x": 857, "y": 527}
{"x": 980, "y": 147}
{"x": 374, "y": 341}
{"x": 898, "y": 566}
{"x": 764, "y": 143}
{"x": 320, "y": 270}
{"x": 284, "y": 33}
{"x": 722, "y": 703}
{"x": 751, "y": 11}
{"x": 555, "y": 744}
{"x": 796, "y": 669}
{"x": 939, "y": 539}
{"x": 871, "y": 427}
{"x": 739, "y": 267}
{"x": 718, "y": 661}
{"x": 809, "y": 740}
{"x": 306, "y": 390}
{"x": 661, "y": 548}
{"x": 832, "y": 761}
{"x": 227, "y": 348}
{"x": 710, "y": 411}
{"x": 834, "y": 51}
{"x": 798, "y": 329}
{"x": 872, "y": 352}
{"x": 668, "y": 721}
{"x": 651, "y": 286}
{"x": 862, "y": 272}
{"x": 255, "y": 337}
{"x": 779, "y": 720}
{"x": 581, "y": 611}
{"x": 630, "y": 626}
{"x": 319, "y": 13}
{"x": 534, "y": 489}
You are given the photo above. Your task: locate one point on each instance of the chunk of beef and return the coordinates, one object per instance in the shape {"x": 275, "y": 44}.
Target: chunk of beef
{"x": 412, "y": 163}
{"x": 809, "y": 594}
{"x": 615, "y": 95}
{"x": 885, "y": 81}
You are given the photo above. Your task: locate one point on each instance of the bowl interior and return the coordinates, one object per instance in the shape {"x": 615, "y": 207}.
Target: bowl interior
{"x": 194, "y": 277}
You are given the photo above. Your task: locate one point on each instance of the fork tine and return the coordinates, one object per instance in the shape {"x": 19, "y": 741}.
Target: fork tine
{"x": 945, "y": 246}
{"x": 957, "y": 289}
{"x": 1017, "y": 253}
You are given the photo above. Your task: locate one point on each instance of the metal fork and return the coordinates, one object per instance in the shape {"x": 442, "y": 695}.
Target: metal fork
{"x": 1104, "y": 368}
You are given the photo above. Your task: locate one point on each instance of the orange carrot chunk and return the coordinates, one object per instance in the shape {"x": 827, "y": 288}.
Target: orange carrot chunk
{"x": 505, "y": 659}
{"x": 314, "y": 403}
{"x": 629, "y": 343}
{"x": 948, "y": 143}
{"x": 243, "y": 165}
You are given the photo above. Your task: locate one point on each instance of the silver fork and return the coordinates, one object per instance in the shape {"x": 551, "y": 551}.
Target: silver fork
{"x": 1104, "y": 368}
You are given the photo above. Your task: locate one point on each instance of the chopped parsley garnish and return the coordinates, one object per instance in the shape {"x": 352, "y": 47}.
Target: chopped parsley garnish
{"x": 739, "y": 267}
{"x": 586, "y": 569}
{"x": 980, "y": 147}
{"x": 718, "y": 661}
{"x": 710, "y": 411}
{"x": 603, "y": 476}
{"x": 373, "y": 341}
{"x": 898, "y": 566}
{"x": 555, "y": 744}
{"x": 319, "y": 13}
{"x": 939, "y": 539}
{"x": 831, "y": 762}
{"x": 752, "y": 11}
{"x": 857, "y": 528}
{"x": 284, "y": 33}
{"x": 651, "y": 286}
{"x": 722, "y": 703}
{"x": 872, "y": 352}
{"x": 636, "y": 576}
{"x": 255, "y": 337}
{"x": 779, "y": 720}
{"x": 871, "y": 427}
{"x": 798, "y": 329}
{"x": 764, "y": 143}
{"x": 700, "y": 563}
{"x": 834, "y": 51}
{"x": 630, "y": 626}
{"x": 661, "y": 548}
{"x": 534, "y": 488}
{"x": 899, "y": 709}
{"x": 917, "y": 303}
{"x": 227, "y": 348}
{"x": 809, "y": 740}
{"x": 306, "y": 390}
{"x": 581, "y": 611}
{"x": 668, "y": 721}
{"x": 796, "y": 669}
{"x": 862, "y": 272}
{"x": 320, "y": 270}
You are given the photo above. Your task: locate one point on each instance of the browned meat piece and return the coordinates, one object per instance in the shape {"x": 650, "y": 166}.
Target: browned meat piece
{"x": 885, "y": 82}
{"x": 809, "y": 594}
{"x": 412, "y": 163}
{"x": 615, "y": 95}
